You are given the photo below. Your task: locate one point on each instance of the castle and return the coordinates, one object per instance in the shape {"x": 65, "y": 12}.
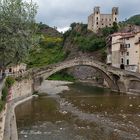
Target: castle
{"x": 97, "y": 20}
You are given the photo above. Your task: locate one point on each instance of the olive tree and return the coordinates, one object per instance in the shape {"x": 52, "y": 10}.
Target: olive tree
{"x": 17, "y": 28}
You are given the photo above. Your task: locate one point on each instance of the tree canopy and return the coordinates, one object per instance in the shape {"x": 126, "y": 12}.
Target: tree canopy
{"x": 17, "y": 27}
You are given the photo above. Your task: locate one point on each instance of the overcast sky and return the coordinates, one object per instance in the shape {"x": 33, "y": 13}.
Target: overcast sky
{"x": 61, "y": 13}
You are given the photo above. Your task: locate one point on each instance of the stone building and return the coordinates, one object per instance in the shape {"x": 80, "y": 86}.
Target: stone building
{"x": 124, "y": 51}
{"x": 97, "y": 20}
{"x": 11, "y": 70}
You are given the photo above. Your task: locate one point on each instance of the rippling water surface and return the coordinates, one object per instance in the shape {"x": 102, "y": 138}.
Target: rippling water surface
{"x": 83, "y": 113}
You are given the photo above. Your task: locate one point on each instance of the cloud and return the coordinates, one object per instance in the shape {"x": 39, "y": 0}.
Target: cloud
{"x": 62, "y": 13}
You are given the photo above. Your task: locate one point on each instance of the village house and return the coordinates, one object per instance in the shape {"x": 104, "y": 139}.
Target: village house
{"x": 97, "y": 20}
{"x": 11, "y": 70}
{"x": 124, "y": 51}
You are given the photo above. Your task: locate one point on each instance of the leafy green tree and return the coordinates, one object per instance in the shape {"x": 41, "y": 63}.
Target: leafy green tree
{"x": 73, "y": 25}
{"x": 17, "y": 28}
{"x": 115, "y": 27}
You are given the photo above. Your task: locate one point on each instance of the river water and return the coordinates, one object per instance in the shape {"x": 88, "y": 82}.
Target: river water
{"x": 83, "y": 113}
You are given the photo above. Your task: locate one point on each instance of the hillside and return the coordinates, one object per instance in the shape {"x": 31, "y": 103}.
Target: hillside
{"x": 52, "y": 46}
{"x": 134, "y": 20}
{"x": 79, "y": 41}
{"x": 48, "y": 48}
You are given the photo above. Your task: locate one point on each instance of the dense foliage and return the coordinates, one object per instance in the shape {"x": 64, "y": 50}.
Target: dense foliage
{"x": 17, "y": 27}
{"x": 47, "y": 52}
{"x": 86, "y": 40}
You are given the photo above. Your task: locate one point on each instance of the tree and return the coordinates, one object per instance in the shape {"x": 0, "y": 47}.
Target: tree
{"x": 73, "y": 25}
{"x": 17, "y": 28}
{"x": 115, "y": 27}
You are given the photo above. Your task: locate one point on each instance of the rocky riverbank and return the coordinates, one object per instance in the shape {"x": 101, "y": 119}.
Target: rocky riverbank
{"x": 54, "y": 87}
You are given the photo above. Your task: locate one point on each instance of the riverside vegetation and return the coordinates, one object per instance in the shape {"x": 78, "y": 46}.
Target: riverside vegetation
{"x": 5, "y": 91}
{"x": 17, "y": 31}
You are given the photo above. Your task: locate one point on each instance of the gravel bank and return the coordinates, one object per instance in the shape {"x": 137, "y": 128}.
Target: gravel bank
{"x": 54, "y": 87}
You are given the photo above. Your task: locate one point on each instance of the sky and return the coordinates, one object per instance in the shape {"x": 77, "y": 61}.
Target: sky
{"x": 61, "y": 13}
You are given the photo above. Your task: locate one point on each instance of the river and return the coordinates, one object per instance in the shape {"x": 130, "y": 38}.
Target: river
{"x": 82, "y": 113}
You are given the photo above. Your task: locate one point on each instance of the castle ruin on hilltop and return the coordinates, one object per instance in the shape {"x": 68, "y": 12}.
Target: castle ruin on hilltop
{"x": 97, "y": 20}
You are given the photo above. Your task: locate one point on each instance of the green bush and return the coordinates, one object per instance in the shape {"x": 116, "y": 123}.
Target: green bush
{"x": 90, "y": 43}
{"x": 9, "y": 81}
{"x": 1, "y": 105}
{"x": 4, "y": 93}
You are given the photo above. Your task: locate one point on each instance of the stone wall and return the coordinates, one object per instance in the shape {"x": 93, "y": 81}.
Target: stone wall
{"x": 2, "y": 122}
{"x": 87, "y": 73}
{"x": 21, "y": 89}
{"x": 19, "y": 92}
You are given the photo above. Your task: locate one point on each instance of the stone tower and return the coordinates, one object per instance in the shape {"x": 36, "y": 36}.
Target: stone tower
{"x": 115, "y": 13}
{"x": 97, "y": 20}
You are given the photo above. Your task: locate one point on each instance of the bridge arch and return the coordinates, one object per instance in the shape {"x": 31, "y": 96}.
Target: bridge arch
{"x": 102, "y": 68}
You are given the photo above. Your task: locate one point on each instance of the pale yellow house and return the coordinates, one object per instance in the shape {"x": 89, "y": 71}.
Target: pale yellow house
{"x": 124, "y": 51}
{"x": 97, "y": 20}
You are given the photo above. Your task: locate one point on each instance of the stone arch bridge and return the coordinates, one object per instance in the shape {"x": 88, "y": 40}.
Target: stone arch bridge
{"x": 117, "y": 79}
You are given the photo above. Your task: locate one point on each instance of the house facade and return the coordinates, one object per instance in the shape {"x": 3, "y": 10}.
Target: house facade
{"x": 11, "y": 70}
{"x": 97, "y": 20}
{"x": 124, "y": 51}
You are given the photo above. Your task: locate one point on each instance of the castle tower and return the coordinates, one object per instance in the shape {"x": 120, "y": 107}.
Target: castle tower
{"x": 115, "y": 13}
{"x": 96, "y": 19}
{"x": 97, "y": 10}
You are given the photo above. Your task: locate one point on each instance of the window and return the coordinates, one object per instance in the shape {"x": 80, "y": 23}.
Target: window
{"x": 115, "y": 19}
{"x": 127, "y": 45}
{"x": 97, "y": 18}
{"x": 127, "y": 61}
{"x": 136, "y": 51}
{"x": 122, "y": 60}
{"x": 10, "y": 70}
{"x": 127, "y": 53}
{"x": 97, "y": 23}
{"x": 97, "y": 13}
{"x": 109, "y": 19}
{"x": 102, "y": 24}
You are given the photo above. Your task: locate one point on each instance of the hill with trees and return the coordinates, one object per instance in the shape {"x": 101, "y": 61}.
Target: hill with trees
{"x": 134, "y": 20}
